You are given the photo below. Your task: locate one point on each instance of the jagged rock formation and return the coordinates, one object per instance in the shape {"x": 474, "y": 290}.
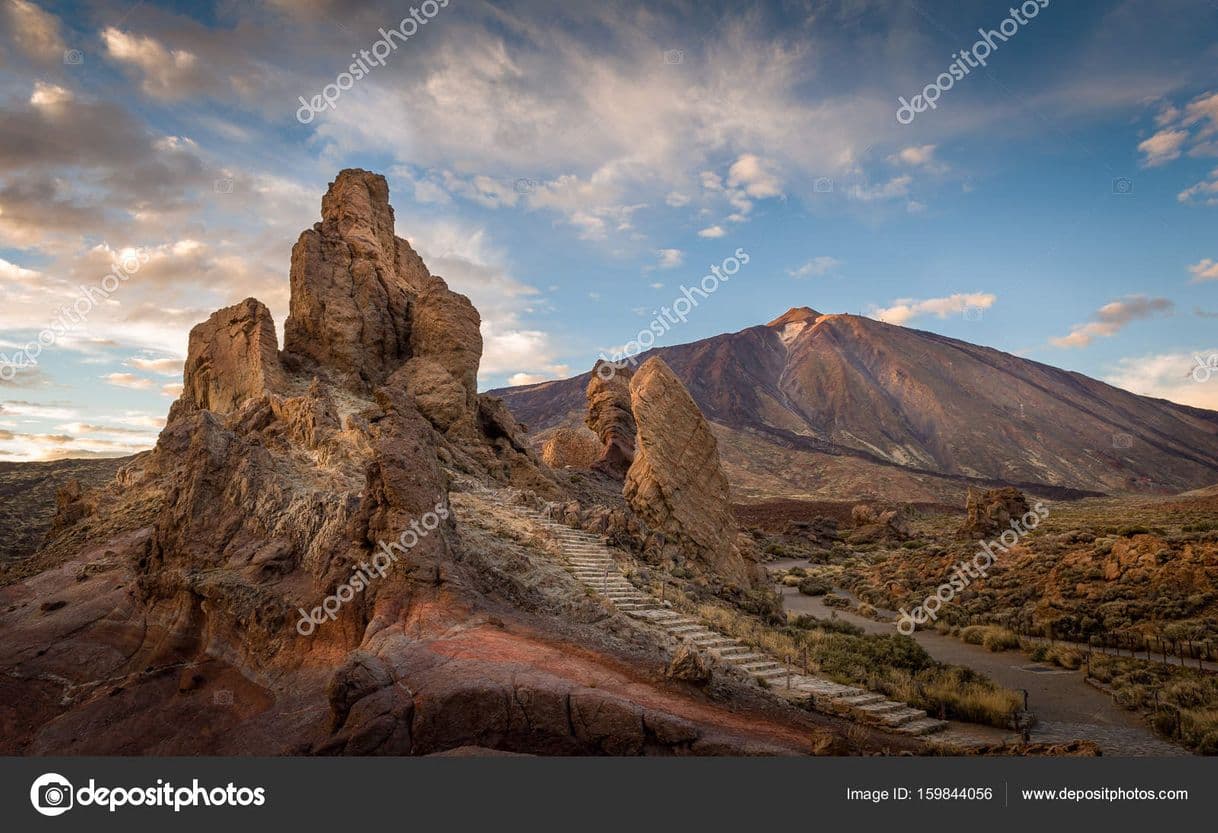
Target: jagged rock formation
{"x": 992, "y": 511}
{"x": 676, "y": 483}
{"x": 610, "y": 416}
{"x": 574, "y": 447}
{"x": 283, "y": 573}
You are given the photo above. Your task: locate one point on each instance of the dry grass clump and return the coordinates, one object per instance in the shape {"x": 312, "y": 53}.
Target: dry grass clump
{"x": 1179, "y": 703}
{"x": 890, "y": 664}
{"x": 992, "y": 637}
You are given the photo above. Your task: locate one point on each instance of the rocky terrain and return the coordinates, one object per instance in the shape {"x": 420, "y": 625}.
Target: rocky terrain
{"x": 316, "y": 557}
{"x": 843, "y": 407}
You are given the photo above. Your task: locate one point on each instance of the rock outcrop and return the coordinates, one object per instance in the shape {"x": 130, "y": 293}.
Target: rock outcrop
{"x": 611, "y": 417}
{"x": 992, "y": 511}
{"x": 283, "y": 573}
{"x": 574, "y": 447}
{"x": 873, "y": 525}
{"x": 231, "y": 358}
{"x": 676, "y": 482}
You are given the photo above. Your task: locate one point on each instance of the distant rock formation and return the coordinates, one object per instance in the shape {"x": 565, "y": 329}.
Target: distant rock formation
{"x": 574, "y": 447}
{"x": 992, "y": 511}
{"x": 676, "y": 483}
{"x": 872, "y": 525}
{"x": 610, "y": 416}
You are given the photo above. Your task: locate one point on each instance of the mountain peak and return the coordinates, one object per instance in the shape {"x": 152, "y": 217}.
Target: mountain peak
{"x": 795, "y": 315}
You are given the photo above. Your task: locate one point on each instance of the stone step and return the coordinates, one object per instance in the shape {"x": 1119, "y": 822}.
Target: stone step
{"x": 861, "y": 700}
{"x": 876, "y": 710}
{"x": 906, "y": 714}
{"x": 924, "y": 726}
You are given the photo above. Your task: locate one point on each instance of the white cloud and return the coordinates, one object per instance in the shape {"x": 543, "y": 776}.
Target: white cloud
{"x": 670, "y": 258}
{"x": 1203, "y": 193}
{"x": 49, "y": 96}
{"x": 905, "y": 310}
{"x": 36, "y": 31}
{"x": 1113, "y": 317}
{"x": 167, "y": 73}
{"x": 755, "y": 176}
{"x": 915, "y": 156}
{"x": 712, "y": 232}
{"x": 1205, "y": 270}
{"x": 815, "y": 267}
{"x": 165, "y": 367}
{"x": 127, "y": 380}
{"x": 1178, "y": 377}
{"x": 1163, "y": 147}
{"x": 896, "y": 187}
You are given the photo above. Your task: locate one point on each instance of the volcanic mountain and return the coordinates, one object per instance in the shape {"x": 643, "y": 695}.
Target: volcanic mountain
{"x": 844, "y": 406}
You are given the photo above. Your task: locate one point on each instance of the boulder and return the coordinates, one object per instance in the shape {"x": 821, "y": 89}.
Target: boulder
{"x": 611, "y": 418}
{"x": 991, "y": 512}
{"x": 689, "y": 665}
{"x": 231, "y": 357}
{"x": 676, "y": 483}
{"x": 445, "y": 328}
{"x": 575, "y": 447}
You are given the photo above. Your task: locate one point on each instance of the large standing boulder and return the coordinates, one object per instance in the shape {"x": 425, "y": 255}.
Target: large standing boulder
{"x": 676, "y": 482}
{"x": 611, "y": 418}
{"x": 232, "y": 357}
{"x": 350, "y": 304}
{"x": 991, "y": 512}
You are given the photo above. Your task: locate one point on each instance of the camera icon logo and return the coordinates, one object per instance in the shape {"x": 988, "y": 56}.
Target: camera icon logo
{"x": 823, "y": 185}
{"x": 973, "y": 313}
{"x": 224, "y": 186}
{"x": 674, "y": 56}
{"x": 222, "y": 697}
{"x": 52, "y": 794}
{"x": 73, "y": 57}
{"x": 1122, "y": 186}
{"x": 525, "y": 186}
{"x": 1122, "y": 441}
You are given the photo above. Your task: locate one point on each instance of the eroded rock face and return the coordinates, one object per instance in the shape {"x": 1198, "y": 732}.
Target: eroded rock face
{"x": 676, "y": 482}
{"x": 232, "y": 357}
{"x": 446, "y": 329}
{"x": 350, "y": 307}
{"x": 992, "y": 511}
{"x": 611, "y": 418}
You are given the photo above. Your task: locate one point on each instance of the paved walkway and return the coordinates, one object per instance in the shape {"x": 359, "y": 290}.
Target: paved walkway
{"x": 1066, "y": 707}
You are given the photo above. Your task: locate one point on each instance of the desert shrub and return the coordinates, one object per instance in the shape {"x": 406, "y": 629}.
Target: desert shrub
{"x": 833, "y": 600}
{"x": 814, "y": 587}
{"x": 797, "y": 571}
{"x": 993, "y": 637}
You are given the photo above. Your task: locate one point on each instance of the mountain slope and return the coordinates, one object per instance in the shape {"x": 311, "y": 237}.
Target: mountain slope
{"x": 888, "y": 396}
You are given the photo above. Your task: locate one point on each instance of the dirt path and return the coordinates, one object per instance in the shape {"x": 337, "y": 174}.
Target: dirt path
{"x": 1066, "y": 707}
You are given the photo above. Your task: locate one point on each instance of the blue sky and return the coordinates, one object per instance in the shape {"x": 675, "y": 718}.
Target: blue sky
{"x": 571, "y": 166}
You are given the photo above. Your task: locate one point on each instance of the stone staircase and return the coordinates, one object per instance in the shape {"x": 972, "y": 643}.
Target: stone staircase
{"x": 592, "y": 562}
